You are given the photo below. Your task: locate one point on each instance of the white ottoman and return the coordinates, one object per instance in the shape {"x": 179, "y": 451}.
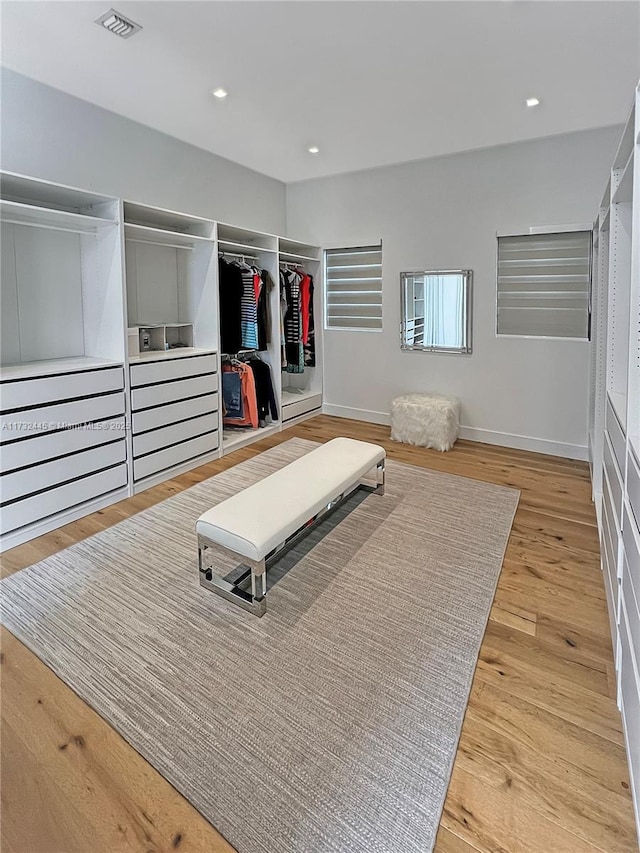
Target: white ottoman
{"x": 427, "y": 420}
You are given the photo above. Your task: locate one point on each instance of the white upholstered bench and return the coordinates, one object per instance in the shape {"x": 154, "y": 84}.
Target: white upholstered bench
{"x": 255, "y": 525}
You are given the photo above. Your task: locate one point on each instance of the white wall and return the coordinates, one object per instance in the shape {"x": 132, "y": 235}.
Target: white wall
{"x": 443, "y": 213}
{"x": 49, "y": 134}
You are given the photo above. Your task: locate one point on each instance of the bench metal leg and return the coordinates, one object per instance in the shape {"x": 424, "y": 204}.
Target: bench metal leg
{"x": 256, "y": 600}
{"x": 380, "y": 473}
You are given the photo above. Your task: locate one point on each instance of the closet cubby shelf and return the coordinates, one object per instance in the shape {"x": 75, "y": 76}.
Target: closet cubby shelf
{"x": 289, "y": 256}
{"x": 164, "y": 355}
{"x": 18, "y": 213}
{"x": 168, "y": 221}
{"x": 293, "y": 396}
{"x": 151, "y": 234}
{"x": 235, "y": 246}
{"x": 50, "y": 367}
{"x": 235, "y": 439}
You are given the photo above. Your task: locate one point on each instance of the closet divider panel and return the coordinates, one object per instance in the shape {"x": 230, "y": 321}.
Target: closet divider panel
{"x": 9, "y": 322}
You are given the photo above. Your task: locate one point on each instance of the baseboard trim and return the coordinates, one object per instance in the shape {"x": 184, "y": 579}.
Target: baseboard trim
{"x": 357, "y": 414}
{"x": 502, "y": 439}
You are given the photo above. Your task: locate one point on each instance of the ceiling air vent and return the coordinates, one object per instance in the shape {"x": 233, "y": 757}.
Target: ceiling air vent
{"x": 118, "y": 24}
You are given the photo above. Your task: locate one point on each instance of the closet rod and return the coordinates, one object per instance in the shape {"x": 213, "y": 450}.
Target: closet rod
{"x": 237, "y": 255}
{"x": 229, "y": 355}
{"x": 69, "y": 230}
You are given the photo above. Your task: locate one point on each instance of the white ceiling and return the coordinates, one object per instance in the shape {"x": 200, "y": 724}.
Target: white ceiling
{"x": 370, "y": 83}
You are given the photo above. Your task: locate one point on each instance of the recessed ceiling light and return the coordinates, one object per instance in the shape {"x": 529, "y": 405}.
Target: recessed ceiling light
{"x": 533, "y": 102}
{"x": 313, "y": 149}
{"x": 219, "y": 93}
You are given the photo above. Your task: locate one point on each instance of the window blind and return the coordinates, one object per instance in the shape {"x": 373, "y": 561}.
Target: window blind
{"x": 353, "y": 288}
{"x": 544, "y": 284}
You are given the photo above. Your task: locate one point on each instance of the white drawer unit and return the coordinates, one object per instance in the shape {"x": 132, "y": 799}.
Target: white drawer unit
{"x": 615, "y": 479}
{"x": 174, "y": 403}
{"x": 632, "y": 609}
{"x": 165, "y": 369}
{"x": 630, "y": 703}
{"x": 19, "y": 454}
{"x": 63, "y": 445}
{"x": 36, "y": 391}
{"x": 631, "y": 541}
{"x": 633, "y": 485}
{"x": 295, "y": 408}
{"x": 616, "y": 435}
{"x": 169, "y": 392}
{"x": 174, "y": 455}
{"x": 160, "y": 416}
{"x": 609, "y": 544}
{"x": 38, "y": 478}
{"x": 29, "y": 423}
{"x": 39, "y": 506}
{"x": 148, "y": 442}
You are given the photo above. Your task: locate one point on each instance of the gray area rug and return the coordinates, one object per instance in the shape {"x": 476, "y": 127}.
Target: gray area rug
{"x": 331, "y": 724}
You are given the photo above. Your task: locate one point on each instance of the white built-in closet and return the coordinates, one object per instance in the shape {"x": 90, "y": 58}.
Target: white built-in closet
{"x": 614, "y": 426}
{"x": 63, "y": 355}
{"x": 110, "y": 365}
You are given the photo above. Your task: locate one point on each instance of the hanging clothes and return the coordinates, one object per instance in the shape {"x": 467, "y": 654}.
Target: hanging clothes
{"x": 283, "y": 314}
{"x": 293, "y": 323}
{"x": 308, "y": 325}
{"x": 265, "y": 395}
{"x": 264, "y": 317}
{"x": 246, "y": 414}
{"x": 249, "y": 303}
{"x": 230, "y": 288}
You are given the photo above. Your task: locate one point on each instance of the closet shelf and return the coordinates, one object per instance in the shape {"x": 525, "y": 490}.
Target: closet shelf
{"x": 289, "y": 396}
{"x": 289, "y": 256}
{"x": 604, "y": 224}
{"x": 49, "y": 367}
{"x": 241, "y": 438}
{"x": 17, "y": 213}
{"x": 624, "y": 192}
{"x": 232, "y": 244}
{"x": 178, "y": 352}
{"x": 153, "y": 235}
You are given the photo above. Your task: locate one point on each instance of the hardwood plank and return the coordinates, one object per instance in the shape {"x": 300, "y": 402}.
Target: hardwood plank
{"x": 561, "y": 793}
{"x": 447, "y": 842}
{"x": 496, "y": 820}
{"x": 71, "y": 783}
{"x": 550, "y": 736}
{"x": 550, "y": 717}
{"x": 591, "y": 675}
{"x": 528, "y": 681}
{"x": 514, "y": 617}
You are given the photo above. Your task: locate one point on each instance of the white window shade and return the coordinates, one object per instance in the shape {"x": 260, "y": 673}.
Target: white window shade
{"x": 353, "y": 288}
{"x": 544, "y": 284}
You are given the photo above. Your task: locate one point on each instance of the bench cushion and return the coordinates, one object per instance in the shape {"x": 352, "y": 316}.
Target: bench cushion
{"x": 260, "y": 517}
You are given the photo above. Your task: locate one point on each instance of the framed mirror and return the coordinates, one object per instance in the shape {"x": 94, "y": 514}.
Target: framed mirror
{"x": 436, "y": 310}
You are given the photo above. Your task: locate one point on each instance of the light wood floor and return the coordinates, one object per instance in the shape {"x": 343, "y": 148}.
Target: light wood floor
{"x": 540, "y": 767}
